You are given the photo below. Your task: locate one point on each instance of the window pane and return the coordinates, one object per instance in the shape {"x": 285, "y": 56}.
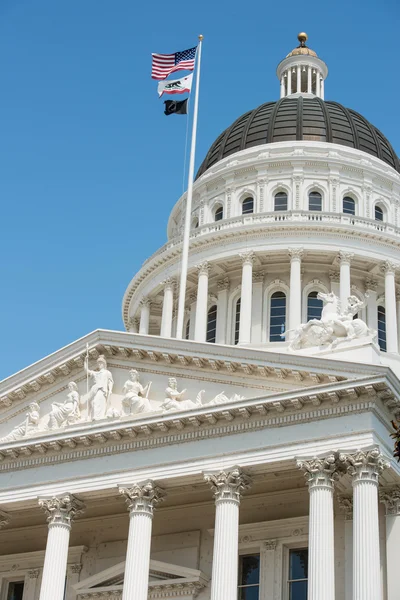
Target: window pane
{"x": 219, "y": 214}
{"x": 247, "y": 206}
{"x": 212, "y": 324}
{"x": 15, "y": 590}
{"x": 277, "y": 319}
{"x": 298, "y": 564}
{"x": 314, "y": 306}
{"x": 315, "y": 201}
{"x": 349, "y": 206}
{"x": 378, "y": 213}
{"x": 298, "y": 590}
{"x": 187, "y": 329}
{"x": 281, "y": 202}
{"x": 382, "y": 328}
{"x": 249, "y": 593}
{"x": 237, "y": 321}
{"x": 249, "y": 569}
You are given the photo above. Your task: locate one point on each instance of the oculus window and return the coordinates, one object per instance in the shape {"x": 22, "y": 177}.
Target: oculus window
{"x": 212, "y": 324}
{"x": 298, "y": 574}
{"x": 314, "y": 306}
{"x": 281, "y": 201}
{"x": 382, "y": 328}
{"x": 349, "y": 206}
{"x": 249, "y": 577}
{"x": 277, "y": 317}
{"x": 315, "y": 201}
{"x": 219, "y": 214}
{"x": 247, "y": 206}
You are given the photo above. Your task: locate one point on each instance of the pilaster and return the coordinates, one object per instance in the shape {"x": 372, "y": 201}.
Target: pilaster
{"x": 295, "y": 295}
{"x": 222, "y": 311}
{"x": 246, "y": 297}
{"x": 389, "y": 269}
{"x": 391, "y": 499}
{"x": 257, "y": 307}
{"x": 346, "y": 507}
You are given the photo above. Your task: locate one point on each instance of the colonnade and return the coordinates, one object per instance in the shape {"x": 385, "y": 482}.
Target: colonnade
{"x": 228, "y": 486}
{"x": 291, "y": 81}
{"x": 251, "y": 300}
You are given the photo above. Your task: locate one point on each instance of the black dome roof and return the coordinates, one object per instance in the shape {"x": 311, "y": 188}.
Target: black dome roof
{"x": 299, "y": 118}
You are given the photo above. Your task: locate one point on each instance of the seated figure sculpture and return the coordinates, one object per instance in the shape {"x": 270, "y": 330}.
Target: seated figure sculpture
{"x": 174, "y": 400}
{"x": 67, "y": 412}
{"x": 135, "y": 395}
{"x": 27, "y": 427}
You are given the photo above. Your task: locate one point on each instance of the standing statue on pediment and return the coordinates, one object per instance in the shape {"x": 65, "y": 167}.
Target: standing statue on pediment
{"x": 174, "y": 399}
{"x": 100, "y": 391}
{"x": 135, "y": 398}
{"x": 67, "y": 412}
{"x": 27, "y": 427}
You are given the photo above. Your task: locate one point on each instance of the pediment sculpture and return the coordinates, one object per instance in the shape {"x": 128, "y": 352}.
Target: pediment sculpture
{"x": 336, "y": 325}
{"x": 28, "y": 426}
{"x": 101, "y": 389}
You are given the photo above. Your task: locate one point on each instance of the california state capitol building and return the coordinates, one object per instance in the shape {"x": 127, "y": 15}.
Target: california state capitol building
{"x": 251, "y": 460}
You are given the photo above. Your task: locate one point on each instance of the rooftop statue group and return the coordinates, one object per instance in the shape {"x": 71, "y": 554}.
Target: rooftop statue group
{"x": 336, "y": 325}
{"x": 135, "y": 400}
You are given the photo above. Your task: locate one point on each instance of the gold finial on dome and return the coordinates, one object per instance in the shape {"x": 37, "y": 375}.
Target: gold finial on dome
{"x": 302, "y": 37}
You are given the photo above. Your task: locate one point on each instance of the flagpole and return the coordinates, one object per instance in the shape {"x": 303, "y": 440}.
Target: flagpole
{"x": 186, "y": 233}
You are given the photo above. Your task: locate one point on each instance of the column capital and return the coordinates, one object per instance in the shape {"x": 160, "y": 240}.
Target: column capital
{"x": 4, "y": 519}
{"x": 391, "y": 499}
{"x": 223, "y": 284}
{"x": 143, "y": 497}
{"x": 247, "y": 257}
{"x": 145, "y": 301}
{"x": 168, "y": 283}
{"x": 133, "y": 323}
{"x": 192, "y": 298}
{"x": 203, "y": 268}
{"x": 228, "y": 485}
{"x": 334, "y": 276}
{"x": 75, "y": 568}
{"x": 346, "y": 506}
{"x": 319, "y": 472}
{"x": 62, "y": 510}
{"x": 388, "y": 267}
{"x": 295, "y": 254}
{"x": 364, "y": 465}
{"x": 258, "y": 276}
{"x": 345, "y": 258}
{"x": 371, "y": 284}
{"x": 33, "y": 573}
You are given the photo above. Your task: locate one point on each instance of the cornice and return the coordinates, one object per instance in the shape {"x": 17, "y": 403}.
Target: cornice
{"x": 159, "y": 430}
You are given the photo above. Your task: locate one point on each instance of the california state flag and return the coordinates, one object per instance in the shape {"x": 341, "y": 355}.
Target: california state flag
{"x": 175, "y": 86}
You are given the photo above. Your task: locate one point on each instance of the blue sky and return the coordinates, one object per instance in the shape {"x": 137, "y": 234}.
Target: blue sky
{"x": 89, "y": 165}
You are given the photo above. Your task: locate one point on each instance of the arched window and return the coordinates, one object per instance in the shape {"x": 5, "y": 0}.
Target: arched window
{"x": 219, "y": 214}
{"x": 277, "y": 317}
{"x": 187, "y": 329}
{"x": 237, "y": 321}
{"x": 382, "y": 328}
{"x": 247, "y": 206}
{"x": 281, "y": 201}
{"x": 212, "y": 324}
{"x": 314, "y": 201}
{"x": 349, "y": 206}
{"x": 314, "y": 306}
{"x": 378, "y": 213}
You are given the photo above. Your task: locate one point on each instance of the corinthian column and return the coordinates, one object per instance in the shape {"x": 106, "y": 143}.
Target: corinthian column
{"x": 345, "y": 283}
{"x": 167, "y": 309}
{"x": 391, "y": 500}
{"x": 388, "y": 269}
{"x": 200, "y": 327}
{"x": 228, "y": 486}
{"x": 365, "y": 466}
{"x": 144, "y": 316}
{"x": 141, "y": 499}
{"x": 295, "y": 289}
{"x": 246, "y": 297}
{"x": 60, "y": 511}
{"x": 320, "y": 474}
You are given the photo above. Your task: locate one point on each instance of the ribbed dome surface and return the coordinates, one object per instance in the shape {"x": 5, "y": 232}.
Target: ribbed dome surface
{"x": 299, "y": 118}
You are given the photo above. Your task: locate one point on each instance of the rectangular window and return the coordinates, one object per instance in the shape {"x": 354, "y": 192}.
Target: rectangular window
{"x": 298, "y": 574}
{"x": 249, "y": 577}
{"x": 15, "y": 590}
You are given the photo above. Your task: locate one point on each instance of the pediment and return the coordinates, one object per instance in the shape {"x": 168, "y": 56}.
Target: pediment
{"x": 165, "y": 581}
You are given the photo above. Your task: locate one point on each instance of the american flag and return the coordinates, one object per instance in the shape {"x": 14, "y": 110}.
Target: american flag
{"x": 164, "y": 64}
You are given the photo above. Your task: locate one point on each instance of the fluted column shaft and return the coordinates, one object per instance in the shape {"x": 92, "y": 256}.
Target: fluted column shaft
{"x": 141, "y": 499}
{"x": 390, "y": 307}
{"x": 365, "y": 468}
{"x": 345, "y": 281}
{"x": 60, "y": 514}
{"x": 320, "y": 473}
{"x": 144, "y": 316}
{"x": 167, "y": 309}
{"x": 391, "y": 499}
{"x": 295, "y": 290}
{"x": 228, "y": 487}
{"x": 246, "y": 298}
{"x": 202, "y": 301}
